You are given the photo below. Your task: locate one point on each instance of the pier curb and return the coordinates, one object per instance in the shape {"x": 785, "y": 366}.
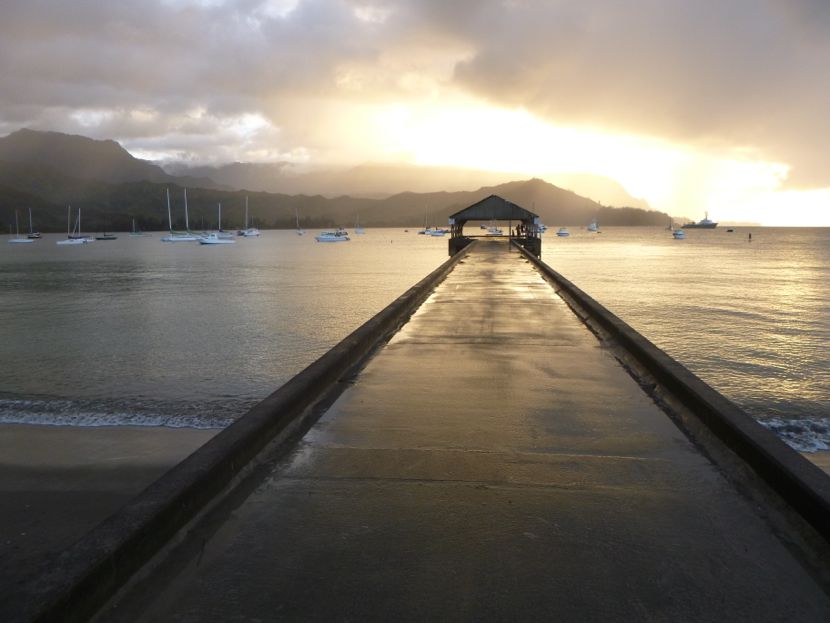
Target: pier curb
{"x": 800, "y": 483}
{"x": 82, "y": 578}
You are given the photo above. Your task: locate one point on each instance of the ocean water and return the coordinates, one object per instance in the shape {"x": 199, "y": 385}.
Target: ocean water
{"x": 139, "y": 332}
{"x": 750, "y": 317}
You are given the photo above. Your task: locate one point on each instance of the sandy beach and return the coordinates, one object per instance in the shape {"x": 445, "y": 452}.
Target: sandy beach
{"x": 56, "y": 483}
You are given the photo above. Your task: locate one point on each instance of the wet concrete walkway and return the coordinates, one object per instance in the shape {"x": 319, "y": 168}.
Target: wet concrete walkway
{"x": 493, "y": 462}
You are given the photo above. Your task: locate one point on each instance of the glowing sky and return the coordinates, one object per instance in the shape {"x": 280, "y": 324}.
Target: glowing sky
{"x": 695, "y": 106}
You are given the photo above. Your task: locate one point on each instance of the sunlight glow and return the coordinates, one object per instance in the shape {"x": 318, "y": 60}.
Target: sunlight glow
{"x": 678, "y": 179}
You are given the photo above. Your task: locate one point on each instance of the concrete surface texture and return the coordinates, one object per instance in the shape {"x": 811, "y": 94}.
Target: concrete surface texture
{"x": 493, "y": 462}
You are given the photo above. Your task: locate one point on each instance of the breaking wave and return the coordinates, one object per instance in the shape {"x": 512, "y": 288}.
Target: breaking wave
{"x": 91, "y": 413}
{"x": 810, "y": 434}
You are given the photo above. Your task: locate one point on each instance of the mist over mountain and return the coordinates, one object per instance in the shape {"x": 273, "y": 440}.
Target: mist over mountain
{"x": 383, "y": 180}
{"x": 85, "y": 158}
{"x": 47, "y": 171}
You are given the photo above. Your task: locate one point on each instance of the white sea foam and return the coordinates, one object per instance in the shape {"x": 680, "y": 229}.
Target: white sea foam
{"x": 94, "y": 413}
{"x": 804, "y": 434}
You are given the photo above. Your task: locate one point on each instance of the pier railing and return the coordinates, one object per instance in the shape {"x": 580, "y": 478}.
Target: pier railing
{"x": 800, "y": 483}
{"x": 84, "y": 576}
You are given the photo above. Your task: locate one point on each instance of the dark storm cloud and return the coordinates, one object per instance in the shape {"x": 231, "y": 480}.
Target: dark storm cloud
{"x": 746, "y": 74}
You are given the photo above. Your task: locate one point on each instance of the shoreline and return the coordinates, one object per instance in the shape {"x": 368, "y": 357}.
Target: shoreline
{"x": 58, "y": 482}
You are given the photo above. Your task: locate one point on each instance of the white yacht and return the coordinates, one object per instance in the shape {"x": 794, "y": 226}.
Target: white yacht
{"x": 593, "y": 226}
{"x": 216, "y": 238}
{"x": 704, "y": 223}
{"x": 679, "y": 234}
{"x": 562, "y": 232}
{"x": 332, "y": 236}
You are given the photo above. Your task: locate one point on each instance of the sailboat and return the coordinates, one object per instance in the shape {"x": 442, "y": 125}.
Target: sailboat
{"x": 300, "y": 230}
{"x": 18, "y": 239}
{"x": 217, "y": 237}
{"x": 426, "y": 230}
{"x": 34, "y": 235}
{"x": 106, "y": 236}
{"x": 137, "y": 233}
{"x": 248, "y": 232}
{"x": 73, "y": 238}
{"x": 174, "y": 236}
{"x": 357, "y": 228}
{"x": 222, "y": 233}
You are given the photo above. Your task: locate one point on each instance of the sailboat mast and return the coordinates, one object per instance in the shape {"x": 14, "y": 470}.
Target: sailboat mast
{"x": 220, "y": 216}
{"x": 186, "y": 221}
{"x": 246, "y": 211}
{"x": 30, "y": 221}
{"x": 169, "y": 217}
{"x": 68, "y": 219}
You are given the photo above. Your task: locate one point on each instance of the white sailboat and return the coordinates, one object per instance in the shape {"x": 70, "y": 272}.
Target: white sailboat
{"x": 357, "y": 228}
{"x": 300, "y": 230}
{"x": 217, "y": 237}
{"x": 17, "y": 239}
{"x": 222, "y": 233}
{"x": 248, "y": 232}
{"x": 175, "y": 236}
{"x": 73, "y": 238}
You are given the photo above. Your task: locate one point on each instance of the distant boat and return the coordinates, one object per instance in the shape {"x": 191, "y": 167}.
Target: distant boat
{"x": 679, "y": 234}
{"x": 34, "y": 235}
{"x": 17, "y": 239}
{"x": 73, "y": 238}
{"x": 221, "y": 233}
{"x": 492, "y": 230}
{"x": 592, "y": 226}
{"x": 106, "y": 236}
{"x": 563, "y": 231}
{"x": 357, "y": 228}
{"x": 704, "y": 223}
{"x": 136, "y": 232}
{"x": 340, "y": 235}
{"x": 248, "y": 232}
{"x": 215, "y": 238}
{"x": 300, "y": 231}
{"x": 175, "y": 236}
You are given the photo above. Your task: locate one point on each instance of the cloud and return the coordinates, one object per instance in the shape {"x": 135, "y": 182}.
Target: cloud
{"x": 744, "y": 74}
{"x": 744, "y": 77}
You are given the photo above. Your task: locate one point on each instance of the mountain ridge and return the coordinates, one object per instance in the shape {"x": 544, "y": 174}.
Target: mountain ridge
{"x": 51, "y": 170}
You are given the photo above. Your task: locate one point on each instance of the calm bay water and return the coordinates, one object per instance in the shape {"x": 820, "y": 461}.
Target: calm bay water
{"x": 751, "y": 318}
{"x": 136, "y": 331}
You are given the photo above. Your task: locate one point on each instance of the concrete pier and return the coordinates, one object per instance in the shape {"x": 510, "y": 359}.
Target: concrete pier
{"x": 494, "y": 461}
